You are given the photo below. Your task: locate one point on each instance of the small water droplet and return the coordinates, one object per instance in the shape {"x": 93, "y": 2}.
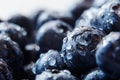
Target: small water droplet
{"x": 82, "y": 40}
{"x": 44, "y": 64}
{"x": 69, "y": 47}
{"x": 62, "y": 55}
{"x": 65, "y": 40}
{"x": 61, "y": 30}
{"x": 82, "y": 53}
{"x": 69, "y": 56}
{"x": 34, "y": 70}
{"x": 24, "y": 33}
{"x": 109, "y": 21}
{"x": 50, "y": 51}
{"x": 67, "y": 72}
{"x": 41, "y": 55}
{"x": 52, "y": 62}
{"x": 37, "y": 48}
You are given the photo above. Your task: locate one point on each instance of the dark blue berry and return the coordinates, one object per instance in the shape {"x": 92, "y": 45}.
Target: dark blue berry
{"x": 108, "y": 18}
{"x": 96, "y": 75}
{"x": 23, "y": 22}
{"x": 79, "y": 48}
{"x": 108, "y": 55}
{"x": 51, "y": 34}
{"x": 46, "y": 16}
{"x": 5, "y": 73}
{"x": 11, "y": 53}
{"x": 50, "y": 60}
{"x": 15, "y": 32}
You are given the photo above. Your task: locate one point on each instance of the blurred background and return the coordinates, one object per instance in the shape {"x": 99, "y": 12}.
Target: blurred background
{"x": 26, "y": 7}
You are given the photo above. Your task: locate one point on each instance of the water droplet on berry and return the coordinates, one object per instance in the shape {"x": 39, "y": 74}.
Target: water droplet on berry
{"x": 41, "y": 55}
{"x": 69, "y": 56}
{"x": 34, "y": 70}
{"x": 52, "y": 62}
{"x": 84, "y": 39}
{"x": 65, "y": 40}
{"x": 83, "y": 54}
{"x": 69, "y": 47}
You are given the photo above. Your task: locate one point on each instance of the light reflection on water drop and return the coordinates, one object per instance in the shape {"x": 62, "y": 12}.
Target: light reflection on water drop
{"x": 52, "y": 62}
{"x": 69, "y": 56}
{"x": 69, "y": 47}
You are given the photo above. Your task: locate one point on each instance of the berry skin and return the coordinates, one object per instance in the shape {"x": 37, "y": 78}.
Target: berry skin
{"x": 50, "y": 60}
{"x": 11, "y": 53}
{"x": 46, "y": 16}
{"x": 61, "y": 75}
{"x": 96, "y": 74}
{"x": 15, "y": 32}
{"x": 108, "y": 18}
{"x": 5, "y": 73}
{"x": 86, "y": 17}
{"x": 78, "y": 7}
{"x": 79, "y": 48}
{"x": 108, "y": 55}
{"x": 23, "y": 22}
{"x": 51, "y": 34}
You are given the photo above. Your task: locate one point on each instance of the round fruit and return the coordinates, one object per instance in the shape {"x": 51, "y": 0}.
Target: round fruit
{"x": 108, "y": 55}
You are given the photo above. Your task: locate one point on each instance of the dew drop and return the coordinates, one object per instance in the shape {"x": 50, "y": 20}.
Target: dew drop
{"x": 41, "y": 55}
{"x": 69, "y": 47}
{"x": 34, "y": 70}
{"x": 50, "y": 51}
{"x": 110, "y": 21}
{"x": 83, "y": 39}
{"x": 62, "y": 55}
{"x": 65, "y": 40}
{"x": 61, "y": 31}
{"x": 52, "y": 62}
{"x": 69, "y": 56}
{"x": 67, "y": 72}
{"x": 24, "y": 33}
{"x": 44, "y": 64}
{"x": 82, "y": 53}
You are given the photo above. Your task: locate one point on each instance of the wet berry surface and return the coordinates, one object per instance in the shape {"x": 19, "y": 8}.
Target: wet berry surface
{"x": 79, "y": 43}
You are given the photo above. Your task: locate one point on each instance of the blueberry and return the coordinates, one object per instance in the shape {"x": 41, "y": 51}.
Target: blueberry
{"x": 107, "y": 18}
{"x": 79, "y": 48}
{"x": 96, "y": 74}
{"x": 61, "y": 75}
{"x": 46, "y": 16}
{"x": 34, "y": 17}
{"x": 5, "y": 73}
{"x": 50, "y": 60}
{"x": 51, "y": 34}
{"x": 15, "y": 32}
{"x": 76, "y": 9}
{"x": 11, "y": 53}
{"x": 86, "y": 17}
{"x": 107, "y": 55}
{"x": 23, "y": 22}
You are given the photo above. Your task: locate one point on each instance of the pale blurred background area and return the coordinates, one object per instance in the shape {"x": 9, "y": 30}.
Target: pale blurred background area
{"x": 26, "y": 7}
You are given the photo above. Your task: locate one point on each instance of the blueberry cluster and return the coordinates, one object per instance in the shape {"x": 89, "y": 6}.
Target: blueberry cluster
{"x": 81, "y": 43}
